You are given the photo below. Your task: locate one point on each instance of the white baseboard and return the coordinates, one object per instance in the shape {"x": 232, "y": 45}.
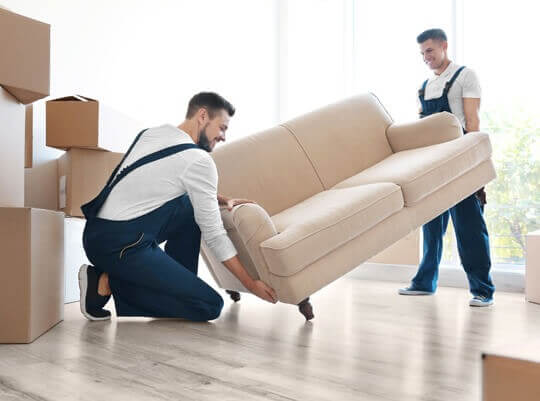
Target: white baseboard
{"x": 505, "y": 279}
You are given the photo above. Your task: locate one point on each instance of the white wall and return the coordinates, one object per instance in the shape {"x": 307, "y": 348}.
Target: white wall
{"x": 147, "y": 58}
{"x": 313, "y": 54}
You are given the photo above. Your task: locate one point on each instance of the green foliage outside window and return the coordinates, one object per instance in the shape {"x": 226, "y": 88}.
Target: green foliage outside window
{"x": 513, "y": 208}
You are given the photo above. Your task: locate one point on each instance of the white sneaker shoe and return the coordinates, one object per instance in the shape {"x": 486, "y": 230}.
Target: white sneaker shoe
{"x": 413, "y": 291}
{"x": 478, "y": 300}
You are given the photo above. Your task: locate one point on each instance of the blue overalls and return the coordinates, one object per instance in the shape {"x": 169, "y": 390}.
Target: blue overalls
{"x": 469, "y": 225}
{"x": 144, "y": 279}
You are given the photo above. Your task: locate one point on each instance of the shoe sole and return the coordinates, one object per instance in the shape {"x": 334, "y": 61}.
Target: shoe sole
{"x": 480, "y": 305}
{"x": 403, "y": 292}
{"x": 83, "y": 287}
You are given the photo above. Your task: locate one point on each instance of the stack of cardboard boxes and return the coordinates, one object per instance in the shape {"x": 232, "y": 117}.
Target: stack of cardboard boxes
{"x": 31, "y": 240}
{"x": 41, "y": 246}
{"x": 89, "y": 132}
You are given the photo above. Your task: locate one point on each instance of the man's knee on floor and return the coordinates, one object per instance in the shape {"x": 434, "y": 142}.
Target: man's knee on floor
{"x": 215, "y": 307}
{"x": 209, "y": 309}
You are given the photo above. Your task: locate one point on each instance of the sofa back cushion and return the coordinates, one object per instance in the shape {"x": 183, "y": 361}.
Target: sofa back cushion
{"x": 269, "y": 167}
{"x": 344, "y": 138}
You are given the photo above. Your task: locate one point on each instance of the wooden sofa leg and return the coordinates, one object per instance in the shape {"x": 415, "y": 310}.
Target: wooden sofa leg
{"x": 306, "y": 309}
{"x": 235, "y": 296}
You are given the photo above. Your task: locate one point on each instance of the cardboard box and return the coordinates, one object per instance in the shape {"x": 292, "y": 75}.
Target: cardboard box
{"x": 32, "y": 296}
{"x": 407, "y": 251}
{"x": 532, "y": 267}
{"x": 512, "y": 372}
{"x": 82, "y": 174}
{"x": 12, "y": 117}
{"x": 81, "y": 122}
{"x": 29, "y": 137}
{"x": 40, "y": 186}
{"x": 25, "y": 66}
{"x": 74, "y": 256}
{"x": 35, "y": 130}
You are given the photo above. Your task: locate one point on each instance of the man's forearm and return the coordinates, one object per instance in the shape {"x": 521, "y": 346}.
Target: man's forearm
{"x": 472, "y": 124}
{"x": 237, "y": 269}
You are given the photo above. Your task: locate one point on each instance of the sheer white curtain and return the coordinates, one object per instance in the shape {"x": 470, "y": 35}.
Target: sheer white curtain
{"x": 337, "y": 48}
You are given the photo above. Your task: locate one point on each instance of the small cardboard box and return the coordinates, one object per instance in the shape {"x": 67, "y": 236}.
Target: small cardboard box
{"x": 12, "y": 116}
{"x": 407, "y": 251}
{"x": 36, "y": 149}
{"x": 40, "y": 185}
{"x": 81, "y": 122}
{"x": 32, "y": 270}
{"x": 82, "y": 174}
{"x": 512, "y": 372}
{"x": 25, "y": 56}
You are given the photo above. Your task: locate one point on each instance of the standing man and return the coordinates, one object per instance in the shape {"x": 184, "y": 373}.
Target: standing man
{"x": 165, "y": 189}
{"x": 454, "y": 89}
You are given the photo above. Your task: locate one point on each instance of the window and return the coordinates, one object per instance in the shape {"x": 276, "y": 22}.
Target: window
{"x": 331, "y": 49}
{"x": 498, "y": 42}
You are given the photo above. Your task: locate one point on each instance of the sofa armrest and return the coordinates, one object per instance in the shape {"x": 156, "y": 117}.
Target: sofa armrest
{"x": 254, "y": 226}
{"x": 434, "y": 129}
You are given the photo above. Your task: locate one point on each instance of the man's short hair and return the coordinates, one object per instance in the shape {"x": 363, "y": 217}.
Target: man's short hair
{"x": 435, "y": 34}
{"x": 211, "y": 101}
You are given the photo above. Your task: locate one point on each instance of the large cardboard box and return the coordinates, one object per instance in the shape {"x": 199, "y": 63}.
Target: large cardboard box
{"x": 25, "y": 56}
{"x": 82, "y": 174}
{"x": 407, "y": 251}
{"x": 512, "y": 372}
{"x": 81, "y": 122}
{"x": 40, "y": 186}
{"x": 12, "y": 117}
{"x": 532, "y": 267}
{"x": 32, "y": 271}
{"x": 74, "y": 256}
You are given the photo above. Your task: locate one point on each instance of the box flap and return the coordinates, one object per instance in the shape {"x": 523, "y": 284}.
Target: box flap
{"x": 6, "y": 11}
{"x": 73, "y": 98}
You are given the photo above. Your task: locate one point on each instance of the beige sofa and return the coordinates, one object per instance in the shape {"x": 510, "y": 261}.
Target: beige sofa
{"x": 337, "y": 186}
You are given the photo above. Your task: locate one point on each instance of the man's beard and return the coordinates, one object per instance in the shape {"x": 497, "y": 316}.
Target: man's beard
{"x": 204, "y": 143}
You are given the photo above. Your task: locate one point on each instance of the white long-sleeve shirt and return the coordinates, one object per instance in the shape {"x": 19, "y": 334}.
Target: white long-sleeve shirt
{"x": 148, "y": 187}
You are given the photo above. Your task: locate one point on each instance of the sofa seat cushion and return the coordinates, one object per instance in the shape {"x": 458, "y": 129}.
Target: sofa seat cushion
{"x": 422, "y": 171}
{"x": 318, "y": 225}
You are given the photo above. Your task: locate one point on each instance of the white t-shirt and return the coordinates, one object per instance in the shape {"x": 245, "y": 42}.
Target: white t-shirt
{"x": 465, "y": 85}
{"x": 148, "y": 187}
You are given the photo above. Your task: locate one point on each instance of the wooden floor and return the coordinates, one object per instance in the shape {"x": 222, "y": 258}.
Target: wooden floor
{"x": 365, "y": 343}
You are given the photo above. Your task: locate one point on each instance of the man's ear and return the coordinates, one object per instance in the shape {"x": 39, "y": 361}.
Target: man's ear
{"x": 202, "y": 116}
{"x": 445, "y": 46}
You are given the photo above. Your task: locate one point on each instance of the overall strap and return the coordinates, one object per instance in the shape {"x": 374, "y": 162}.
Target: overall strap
{"x": 124, "y": 158}
{"x": 422, "y": 91}
{"x": 92, "y": 208}
{"x": 160, "y": 154}
{"x": 451, "y": 82}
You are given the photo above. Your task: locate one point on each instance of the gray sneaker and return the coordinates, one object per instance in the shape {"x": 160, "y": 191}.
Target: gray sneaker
{"x": 411, "y": 290}
{"x": 479, "y": 300}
